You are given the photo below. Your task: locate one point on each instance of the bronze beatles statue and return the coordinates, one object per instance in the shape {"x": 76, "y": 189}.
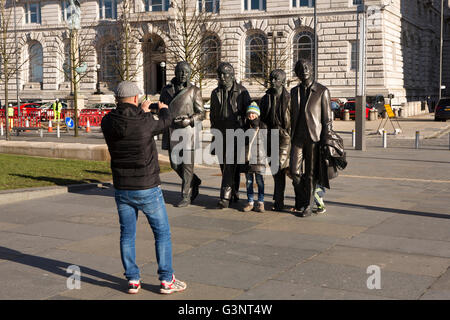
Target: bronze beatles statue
{"x": 228, "y": 107}
{"x": 186, "y": 106}
{"x": 311, "y": 122}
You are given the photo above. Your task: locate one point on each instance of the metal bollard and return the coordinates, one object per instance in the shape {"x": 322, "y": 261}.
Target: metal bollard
{"x": 346, "y": 115}
{"x": 58, "y": 135}
{"x": 1, "y": 128}
{"x": 353, "y": 138}
{"x": 384, "y": 139}
{"x": 449, "y": 141}
{"x": 417, "y": 139}
{"x": 41, "y": 133}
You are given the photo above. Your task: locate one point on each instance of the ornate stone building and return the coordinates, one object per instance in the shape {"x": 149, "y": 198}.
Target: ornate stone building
{"x": 402, "y": 52}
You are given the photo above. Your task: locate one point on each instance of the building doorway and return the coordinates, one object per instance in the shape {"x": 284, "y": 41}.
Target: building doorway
{"x": 154, "y": 52}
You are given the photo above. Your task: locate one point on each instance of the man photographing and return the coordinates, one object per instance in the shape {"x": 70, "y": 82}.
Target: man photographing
{"x": 129, "y": 131}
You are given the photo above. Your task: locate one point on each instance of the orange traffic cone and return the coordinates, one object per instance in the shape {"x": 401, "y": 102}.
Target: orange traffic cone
{"x": 88, "y": 127}
{"x": 50, "y": 128}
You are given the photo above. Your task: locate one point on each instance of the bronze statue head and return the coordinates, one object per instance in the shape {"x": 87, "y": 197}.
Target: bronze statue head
{"x": 225, "y": 74}
{"x": 304, "y": 70}
{"x": 183, "y": 72}
{"x": 277, "y": 79}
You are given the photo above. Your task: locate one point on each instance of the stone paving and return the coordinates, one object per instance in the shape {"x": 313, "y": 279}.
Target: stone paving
{"x": 389, "y": 208}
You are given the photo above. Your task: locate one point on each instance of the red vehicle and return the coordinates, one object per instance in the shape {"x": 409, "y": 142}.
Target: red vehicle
{"x": 26, "y": 107}
{"x": 350, "y": 106}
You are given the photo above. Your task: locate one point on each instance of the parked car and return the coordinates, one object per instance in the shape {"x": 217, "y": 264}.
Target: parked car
{"x": 442, "y": 110}
{"x": 350, "y": 106}
{"x": 26, "y": 107}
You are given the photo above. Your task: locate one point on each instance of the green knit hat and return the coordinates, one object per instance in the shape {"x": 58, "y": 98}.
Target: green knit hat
{"x": 253, "y": 107}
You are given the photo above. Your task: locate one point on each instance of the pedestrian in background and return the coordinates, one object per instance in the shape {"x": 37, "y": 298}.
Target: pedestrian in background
{"x": 129, "y": 131}
{"x": 57, "y": 108}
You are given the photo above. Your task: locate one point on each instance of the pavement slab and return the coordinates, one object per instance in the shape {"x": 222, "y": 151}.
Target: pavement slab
{"x": 396, "y": 285}
{"x": 387, "y": 260}
{"x": 63, "y": 230}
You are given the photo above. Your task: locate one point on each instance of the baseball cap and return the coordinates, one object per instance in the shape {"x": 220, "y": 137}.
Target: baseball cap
{"x": 127, "y": 89}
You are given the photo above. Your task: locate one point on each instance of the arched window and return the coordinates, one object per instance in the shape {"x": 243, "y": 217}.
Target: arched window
{"x": 256, "y": 55}
{"x": 304, "y": 46}
{"x": 35, "y": 62}
{"x": 210, "y": 55}
{"x": 109, "y": 62}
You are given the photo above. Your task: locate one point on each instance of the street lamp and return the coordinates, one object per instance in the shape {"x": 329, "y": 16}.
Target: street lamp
{"x": 163, "y": 67}
{"x": 98, "y": 80}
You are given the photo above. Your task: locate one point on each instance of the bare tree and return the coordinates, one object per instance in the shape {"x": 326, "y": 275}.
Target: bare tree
{"x": 81, "y": 49}
{"x": 8, "y": 53}
{"x": 187, "y": 33}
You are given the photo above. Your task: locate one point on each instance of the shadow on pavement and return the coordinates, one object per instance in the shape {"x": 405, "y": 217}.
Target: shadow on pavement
{"x": 377, "y": 158}
{"x": 60, "y": 268}
{"x": 391, "y": 210}
{"x": 56, "y": 181}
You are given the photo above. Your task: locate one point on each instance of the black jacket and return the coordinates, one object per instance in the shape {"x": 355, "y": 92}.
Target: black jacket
{"x": 268, "y": 106}
{"x": 129, "y": 132}
{"x": 239, "y": 100}
{"x": 332, "y": 158}
{"x": 317, "y": 111}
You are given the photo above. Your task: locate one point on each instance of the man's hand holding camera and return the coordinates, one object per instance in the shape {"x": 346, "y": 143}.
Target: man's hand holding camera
{"x": 147, "y": 106}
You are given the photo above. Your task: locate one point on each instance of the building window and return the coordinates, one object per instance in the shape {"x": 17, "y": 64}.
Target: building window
{"x": 33, "y": 12}
{"x": 255, "y": 5}
{"x": 304, "y": 47}
{"x": 303, "y": 3}
{"x": 65, "y": 12}
{"x": 108, "y": 9}
{"x": 256, "y": 55}
{"x": 35, "y": 62}
{"x": 109, "y": 61}
{"x": 67, "y": 63}
{"x": 211, "y": 56}
{"x": 354, "y": 56}
{"x": 209, "y": 5}
{"x": 157, "y": 5}
{"x": 357, "y": 2}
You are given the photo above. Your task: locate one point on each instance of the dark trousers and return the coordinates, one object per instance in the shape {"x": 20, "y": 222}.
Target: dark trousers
{"x": 186, "y": 172}
{"x": 231, "y": 179}
{"x": 306, "y": 153}
{"x": 279, "y": 180}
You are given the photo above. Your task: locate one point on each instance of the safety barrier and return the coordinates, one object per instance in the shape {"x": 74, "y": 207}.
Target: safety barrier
{"x": 34, "y": 118}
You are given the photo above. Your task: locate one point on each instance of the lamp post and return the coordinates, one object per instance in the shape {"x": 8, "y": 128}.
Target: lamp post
{"x": 360, "y": 101}
{"x": 163, "y": 67}
{"x": 98, "y": 80}
{"x": 441, "y": 45}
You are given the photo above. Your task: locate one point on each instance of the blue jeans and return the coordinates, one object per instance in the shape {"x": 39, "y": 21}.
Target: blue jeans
{"x": 151, "y": 202}
{"x": 259, "y": 182}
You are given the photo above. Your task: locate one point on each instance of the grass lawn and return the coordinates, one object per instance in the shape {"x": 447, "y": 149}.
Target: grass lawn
{"x": 18, "y": 171}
